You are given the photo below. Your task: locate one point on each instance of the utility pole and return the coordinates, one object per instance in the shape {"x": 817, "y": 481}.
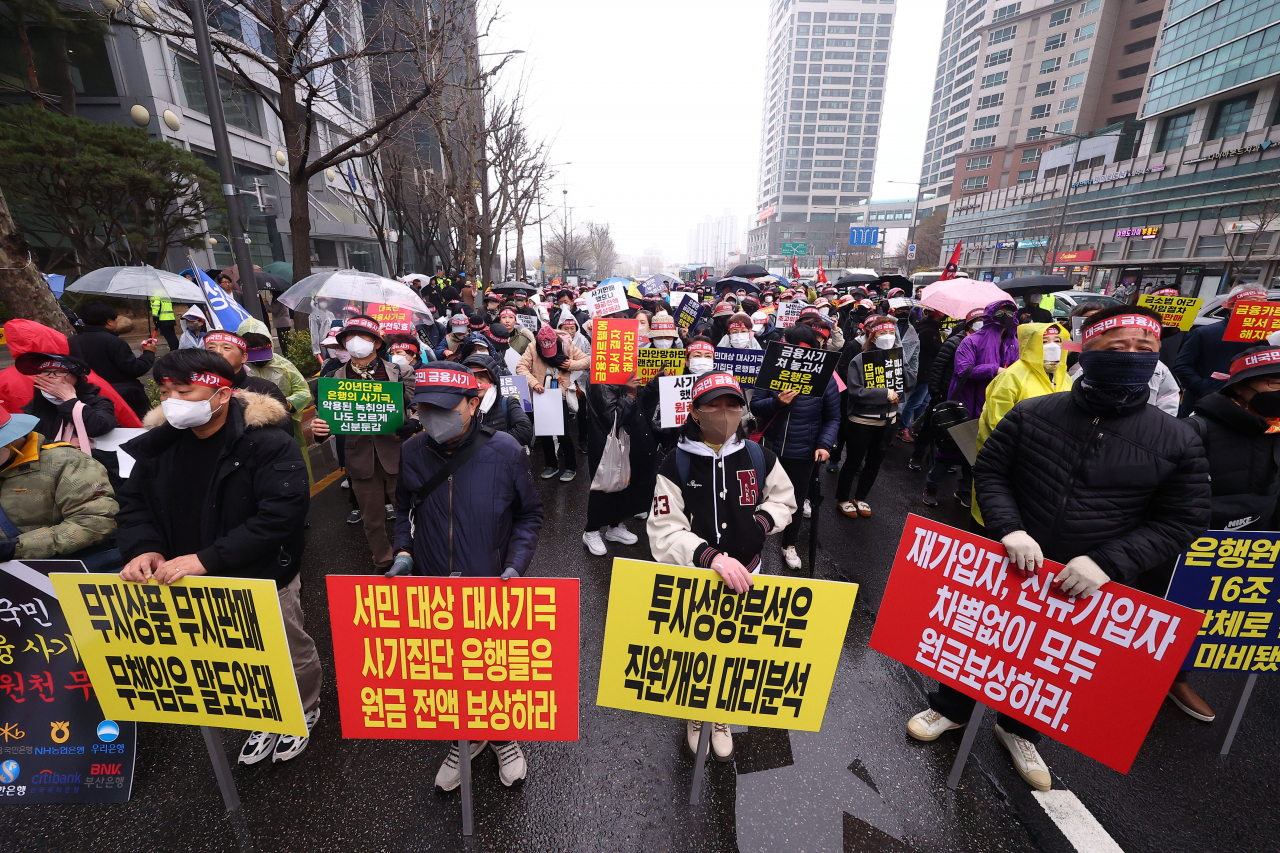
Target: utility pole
{"x": 222, "y": 148}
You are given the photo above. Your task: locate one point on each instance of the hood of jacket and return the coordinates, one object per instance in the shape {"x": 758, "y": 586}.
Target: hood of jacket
{"x": 1031, "y": 349}
{"x": 989, "y": 313}
{"x": 252, "y": 325}
{"x": 1230, "y": 414}
{"x": 259, "y": 411}
{"x": 25, "y": 336}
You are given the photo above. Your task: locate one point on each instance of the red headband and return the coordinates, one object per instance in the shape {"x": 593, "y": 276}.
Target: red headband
{"x": 505, "y": 311}
{"x": 445, "y": 379}
{"x": 402, "y": 347}
{"x": 884, "y": 327}
{"x": 700, "y": 346}
{"x": 52, "y": 365}
{"x": 1122, "y": 321}
{"x": 1244, "y": 362}
{"x": 365, "y": 325}
{"x": 208, "y": 380}
{"x": 226, "y": 338}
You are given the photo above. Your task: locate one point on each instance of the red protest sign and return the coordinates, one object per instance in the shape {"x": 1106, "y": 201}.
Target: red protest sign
{"x": 392, "y": 319}
{"x": 1253, "y": 320}
{"x": 456, "y": 658}
{"x": 614, "y": 344}
{"x": 1090, "y": 673}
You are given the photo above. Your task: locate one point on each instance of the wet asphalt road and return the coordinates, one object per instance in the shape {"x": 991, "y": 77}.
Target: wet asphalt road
{"x": 859, "y": 784}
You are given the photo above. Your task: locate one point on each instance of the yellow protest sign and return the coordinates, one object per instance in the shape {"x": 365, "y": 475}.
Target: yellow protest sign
{"x": 202, "y": 652}
{"x": 1180, "y": 311}
{"x": 679, "y": 643}
{"x": 649, "y": 360}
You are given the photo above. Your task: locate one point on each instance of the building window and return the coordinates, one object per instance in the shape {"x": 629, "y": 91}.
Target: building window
{"x": 1002, "y": 35}
{"x": 1139, "y": 46}
{"x": 1034, "y": 133}
{"x": 980, "y": 142}
{"x": 1045, "y": 89}
{"x": 1049, "y": 66}
{"x": 1089, "y": 7}
{"x": 974, "y": 184}
{"x": 1175, "y": 131}
{"x": 977, "y": 163}
{"x": 1005, "y": 12}
{"x": 1027, "y": 176}
{"x": 1130, "y": 95}
{"x": 997, "y": 58}
{"x": 1064, "y": 126}
{"x": 1084, "y": 33}
{"x": 1054, "y": 42}
{"x": 1040, "y": 111}
{"x": 1233, "y": 116}
{"x": 1211, "y": 247}
{"x": 1057, "y": 19}
{"x": 1139, "y": 250}
{"x": 1174, "y": 248}
{"x": 1030, "y": 155}
{"x": 990, "y": 102}
{"x": 985, "y": 122}
{"x": 238, "y": 104}
{"x": 997, "y": 79}
{"x": 1145, "y": 20}
{"x": 1110, "y": 251}
{"x": 1069, "y": 105}
{"x": 1075, "y": 81}
{"x": 1080, "y": 57}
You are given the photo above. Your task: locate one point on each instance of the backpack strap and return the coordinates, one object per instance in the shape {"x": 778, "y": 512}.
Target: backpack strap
{"x": 447, "y": 470}
{"x": 682, "y": 466}
{"x": 757, "y": 462}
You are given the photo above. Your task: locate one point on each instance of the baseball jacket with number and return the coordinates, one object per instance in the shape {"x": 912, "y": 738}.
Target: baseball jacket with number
{"x": 721, "y": 509}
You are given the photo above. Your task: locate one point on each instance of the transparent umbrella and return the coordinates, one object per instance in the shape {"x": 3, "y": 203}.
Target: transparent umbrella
{"x": 340, "y": 286}
{"x": 139, "y": 283}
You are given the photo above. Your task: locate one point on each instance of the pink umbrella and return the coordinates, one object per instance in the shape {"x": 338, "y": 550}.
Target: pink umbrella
{"x": 958, "y": 296}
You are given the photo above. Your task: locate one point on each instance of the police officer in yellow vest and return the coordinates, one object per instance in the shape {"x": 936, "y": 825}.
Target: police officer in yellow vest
{"x": 166, "y": 322}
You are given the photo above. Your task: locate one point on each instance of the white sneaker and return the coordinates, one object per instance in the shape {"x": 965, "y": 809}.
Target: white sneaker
{"x": 511, "y": 764}
{"x": 643, "y": 516}
{"x": 594, "y": 542}
{"x": 449, "y": 776}
{"x": 692, "y": 731}
{"x": 808, "y": 510}
{"x": 346, "y": 482}
{"x": 257, "y": 747}
{"x": 620, "y": 533}
{"x": 290, "y": 746}
{"x": 391, "y": 511}
{"x": 929, "y": 725}
{"x": 789, "y": 554}
{"x": 721, "y": 742}
{"x": 1027, "y": 760}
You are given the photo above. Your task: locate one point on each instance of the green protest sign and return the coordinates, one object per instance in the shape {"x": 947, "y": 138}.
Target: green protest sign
{"x": 359, "y": 406}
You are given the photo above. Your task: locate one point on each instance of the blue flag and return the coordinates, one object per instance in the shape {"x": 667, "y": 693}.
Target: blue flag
{"x": 226, "y": 313}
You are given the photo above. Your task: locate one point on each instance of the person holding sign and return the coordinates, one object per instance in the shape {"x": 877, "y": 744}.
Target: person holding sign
{"x": 216, "y": 489}
{"x": 498, "y": 413}
{"x": 717, "y": 497}
{"x": 550, "y": 366}
{"x": 1095, "y": 479}
{"x": 1205, "y": 351}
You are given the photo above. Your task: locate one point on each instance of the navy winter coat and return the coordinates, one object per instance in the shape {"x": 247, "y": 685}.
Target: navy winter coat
{"x": 796, "y": 431}
{"x": 1203, "y": 353}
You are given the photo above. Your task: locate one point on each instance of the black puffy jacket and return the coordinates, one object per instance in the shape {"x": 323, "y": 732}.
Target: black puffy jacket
{"x": 1244, "y": 463}
{"x": 944, "y": 367}
{"x": 1128, "y": 489}
{"x": 797, "y": 430}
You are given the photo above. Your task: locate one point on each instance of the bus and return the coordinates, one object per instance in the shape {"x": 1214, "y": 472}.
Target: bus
{"x": 695, "y": 273}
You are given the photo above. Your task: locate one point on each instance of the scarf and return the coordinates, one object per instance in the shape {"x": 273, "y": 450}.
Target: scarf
{"x": 558, "y": 360}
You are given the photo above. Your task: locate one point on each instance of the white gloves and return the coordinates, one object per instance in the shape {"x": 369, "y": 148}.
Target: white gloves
{"x": 1024, "y": 552}
{"x": 1081, "y": 577}
{"x": 1274, "y": 339}
{"x": 734, "y": 573}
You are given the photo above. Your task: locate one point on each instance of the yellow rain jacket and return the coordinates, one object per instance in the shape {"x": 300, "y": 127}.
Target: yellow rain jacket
{"x": 279, "y": 370}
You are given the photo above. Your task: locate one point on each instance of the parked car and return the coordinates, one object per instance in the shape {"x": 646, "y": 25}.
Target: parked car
{"x": 1215, "y": 309}
{"x": 1065, "y": 300}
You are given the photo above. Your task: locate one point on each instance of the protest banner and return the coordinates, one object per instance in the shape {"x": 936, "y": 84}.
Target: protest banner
{"x": 679, "y": 643}
{"x": 360, "y": 406}
{"x": 1089, "y": 672}
{"x": 649, "y": 360}
{"x": 203, "y": 651}
{"x": 548, "y": 410}
{"x": 884, "y": 368}
{"x": 516, "y": 386}
{"x": 392, "y": 318}
{"x": 1179, "y": 311}
{"x": 1253, "y": 320}
{"x": 613, "y": 351}
{"x": 744, "y": 364}
{"x": 675, "y": 396}
{"x": 690, "y": 312}
{"x": 788, "y": 367}
{"x": 653, "y": 287}
{"x": 56, "y": 744}
{"x": 789, "y": 312}
{"x": 528, "y": 321}
{"x": 429, "y": 658}
{"x": 606, "y": 299}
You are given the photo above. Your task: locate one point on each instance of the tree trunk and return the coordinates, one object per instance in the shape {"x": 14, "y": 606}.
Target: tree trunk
{"x": 66, "y": 85}
{"x": 29, "y": 60}
{"x": 22, "y": 288}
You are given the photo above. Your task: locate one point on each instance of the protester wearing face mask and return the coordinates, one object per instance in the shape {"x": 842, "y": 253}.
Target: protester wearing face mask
{"x": 234, "y": 349}
{"x": 372, "y": 461}
{"x": 700, "y": 355}
{"x": 459, "y": 328}
{"x": 70, "y": 409}
{"x": 984, "y": 355}
{"x": 217, "y": 490}
{"x": 262, "y": 361}
{"x": 466, "y": 503}
{"x": 194, "y": 326}
{"x": 550, "y": 365}
{"x": 404, "y": 351}
{"x": 743, "y": 495}
{"x": 519, "y": 338}
{"x": 499, "y": 413}
{"x": 739, "y": 333}
{"x": 611, "y": 407}
{"x": 1095, "y": 479}
{"x": 1205, "y": 351}
{"x": 662, "y": 332}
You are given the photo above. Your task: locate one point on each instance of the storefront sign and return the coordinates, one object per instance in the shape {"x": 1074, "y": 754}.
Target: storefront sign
{"x": 1241, "y": 227}
{"x": 1120, "y": 176}
{"x": 456, "y": 658}
{"x": 1234, "y": 152}
{"x": 1147, "y": 232}
{"x": 679, "y": 643}
{"x": 360, "y": 406}
{"x": 1253, "y": 320}
{"x": 613, "y": 351}
{"x": 1089, "y": 672}
{"x": 1033, "y": 244}
{"x": 1007, "y": 244}
{"x": 1074, "y": 257}
{"x": 790, "y": 367}
{"x": 1179, "y": 311}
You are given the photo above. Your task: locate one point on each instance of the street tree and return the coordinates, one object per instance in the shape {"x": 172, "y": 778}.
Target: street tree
{"x": 22, "y": 289}
{"x": 600, "y": 247}
{"x": 68, "y": 26}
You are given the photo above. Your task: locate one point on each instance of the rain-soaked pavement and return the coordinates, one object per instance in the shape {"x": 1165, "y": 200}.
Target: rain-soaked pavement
{"x": 858, "y": 785}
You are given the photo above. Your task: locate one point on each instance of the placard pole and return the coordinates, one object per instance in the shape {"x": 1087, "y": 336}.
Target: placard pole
{"x": 227, "y": 784}
{"x": 1242, "y": 699}
{"x": 966, "y": 744}
{"x": 464, "y": 767}
{"x": 700, "y": 762}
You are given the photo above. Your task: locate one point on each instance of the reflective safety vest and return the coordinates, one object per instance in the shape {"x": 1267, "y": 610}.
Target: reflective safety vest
{"x": 162, "y": 308}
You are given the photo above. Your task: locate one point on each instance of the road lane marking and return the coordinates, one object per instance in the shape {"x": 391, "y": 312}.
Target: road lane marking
{"x": 1076, "y": 822}
{"x": 328, "y": 481}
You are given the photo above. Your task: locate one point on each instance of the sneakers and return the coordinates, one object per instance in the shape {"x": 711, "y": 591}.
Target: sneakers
{"x": 257, "y": 747}
{"x": 566, "y": 477}
{"x": 964, "y": 498}
{"x": 548, "y": 473}
{"x": 621, "y": 534}
{"x": 789, "y": 554}
{"x": 511, "y": 764}
{"x": 904, "y": 434}
{"x": 928, "y": 725}
{"x": 930, "y": 495}
{"x": 808, "y": 510}
{"x": 1026, "y": 760}
{"x": 595, "y": 542}
{"x": 643, "y": 516}
{"x": 1191, "y": 704}
{"x": 354, "y": 517}
{"x": 346, "y": 482}
{"x": 915, "y": 464}
{"x": 721, "y": 742}
{"x": 291, "y": 746}
{"x": 449, "y": 776}
{"x": 391, "y": 511}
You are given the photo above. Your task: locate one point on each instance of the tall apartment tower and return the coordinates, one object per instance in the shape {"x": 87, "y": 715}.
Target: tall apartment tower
{"x": 824, "y": 89}
{"x": 1014, "y": 78}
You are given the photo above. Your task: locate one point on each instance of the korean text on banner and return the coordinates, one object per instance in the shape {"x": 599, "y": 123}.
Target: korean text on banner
{"x": 1179, "y": 311}
{"x": 675, "y": 396}
{"x": 528, "y": 322}
{"x": 360, "y": 406}
{"x": 204, "y": 651}
{"x": 1230, "y": 578}
{"x": 789, "y": 313}
{"x": 1253, "y": 320}
{"x": 679, "y": 643}
{"x": 456, "y": 658}
{"x": 651, "y": 359}
{"x": 81, "y": 755}
{"x": 516, "y": 386}
{"x": 606, "y": 299}
{"x": 788, "y": 367}
{"x": 1089, "y": 672}
{"x": 393, "y": 319}
{"x": 744, "y": 364}
{"x": 884, "y": 369}
{"x": 613, "y": 351}
{"x": 690, "y": 312}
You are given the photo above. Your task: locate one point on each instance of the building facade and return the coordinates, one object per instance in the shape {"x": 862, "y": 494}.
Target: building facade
{"x": 824, "y": 89}
{"x": 711, "y": 240}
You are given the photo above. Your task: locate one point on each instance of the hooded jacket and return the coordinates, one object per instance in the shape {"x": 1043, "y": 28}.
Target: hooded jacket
{"x": 1244, "y": 463}
{"x": 254, "y": 513}
{"x": 1024, "y": 379}
{"x": 980, "y": 356}
{"x": 279, "y": 370}
{"x": 498, "y": 413}
{"x": 17, "y": 389}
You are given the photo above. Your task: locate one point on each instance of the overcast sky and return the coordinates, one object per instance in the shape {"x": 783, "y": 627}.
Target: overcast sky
{"x": 657, "y": 106}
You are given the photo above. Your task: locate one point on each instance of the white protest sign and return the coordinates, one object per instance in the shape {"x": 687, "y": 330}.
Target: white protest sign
{"x": 675, "y": 395}
{"x": 789, "y": 313}
{"x": 548, "y": 412}
{"x": 111, "y": 441}
{"x": 528, "y": 321}
{"x": 606, "y": 299}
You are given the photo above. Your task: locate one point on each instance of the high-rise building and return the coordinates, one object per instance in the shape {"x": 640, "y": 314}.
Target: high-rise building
{"x": 824, "y": 87}
{"x": 714, "y": 238}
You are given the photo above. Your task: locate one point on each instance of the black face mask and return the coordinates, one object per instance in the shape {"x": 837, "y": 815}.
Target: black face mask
{"x": 1115, "y": 379}
{"x": 1266, "y": 404}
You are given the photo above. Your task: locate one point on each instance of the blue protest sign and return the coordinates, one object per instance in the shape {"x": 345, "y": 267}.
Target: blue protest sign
{"x": 516, "y": 386}
{"x": 744, "y": 364}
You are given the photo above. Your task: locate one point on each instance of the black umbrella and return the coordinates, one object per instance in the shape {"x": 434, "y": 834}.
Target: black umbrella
{"x": 894, "y": 280}
{"x": 857, "y": 278}
{"x": 748, "y": 271}
{"x": 736, "y": 283}
{"x": 513, "y": 286}
{"x": 1023, "y": 285}
{"x": 271, "y": 281}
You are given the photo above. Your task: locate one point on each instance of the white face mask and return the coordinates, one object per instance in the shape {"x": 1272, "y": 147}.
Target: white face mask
{"x": 184, "y": 414}
{"x": 359, "y": 347}
{"x": 768, "y": 300}
{"x": 342, "y": 355}
{"x": 701, "y": 365}
{"x": 400, "y": 359}
{"x": 884, "y": 342}
{"x": 52, "y": 399}
{"x": 1052, "y": 353}
{"x": 739, "y": 339}
{"x": 977, "y": 324}
{"x": 824, "y": 311}
{"x": 663, "y": 343}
